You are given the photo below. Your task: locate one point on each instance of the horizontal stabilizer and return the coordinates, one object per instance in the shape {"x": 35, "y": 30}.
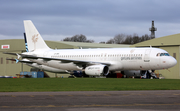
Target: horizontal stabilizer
{"x": 22, "y": 61}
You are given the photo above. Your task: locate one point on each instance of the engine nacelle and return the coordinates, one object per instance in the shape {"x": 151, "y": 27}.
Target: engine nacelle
{"x": 97, "y": 70}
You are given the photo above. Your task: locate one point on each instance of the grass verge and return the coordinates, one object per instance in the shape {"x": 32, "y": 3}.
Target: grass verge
{"x": 85, "y": 84}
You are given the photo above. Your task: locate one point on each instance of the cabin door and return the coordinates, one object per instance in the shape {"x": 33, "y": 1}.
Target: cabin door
{"x": 146, "y": 59}
{"x": 147, "y": 55}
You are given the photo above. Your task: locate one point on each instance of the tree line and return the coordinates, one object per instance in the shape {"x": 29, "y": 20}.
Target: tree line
{"x": 118, "y": 39}
{"x": 129, "y": 39}
{"x": 78, "y": 38}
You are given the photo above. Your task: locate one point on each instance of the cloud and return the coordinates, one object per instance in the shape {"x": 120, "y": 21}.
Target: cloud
{"x": 93, "y": 18}
{"x": 3, "y": 37}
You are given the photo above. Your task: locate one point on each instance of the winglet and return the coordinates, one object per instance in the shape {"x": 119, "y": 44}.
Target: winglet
{"x": 18, "y": 55}
{"x": 17, "y": 60}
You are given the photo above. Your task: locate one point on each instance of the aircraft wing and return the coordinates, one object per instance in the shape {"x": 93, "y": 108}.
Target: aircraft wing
{"x": 10, "y": 53}
{"x": 77, "y": 62}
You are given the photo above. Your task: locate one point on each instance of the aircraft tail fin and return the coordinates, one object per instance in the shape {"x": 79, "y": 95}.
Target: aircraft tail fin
{"x": 33, "y": 39}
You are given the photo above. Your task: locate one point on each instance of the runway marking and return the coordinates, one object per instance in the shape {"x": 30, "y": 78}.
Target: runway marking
{"x": 93, "y": 105}
{"x": 51, "y": 106}
{"x": 176, "y": 94}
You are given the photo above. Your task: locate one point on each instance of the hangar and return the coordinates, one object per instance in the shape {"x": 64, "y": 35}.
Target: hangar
{"x": 10, "y": 68}
{"x": 171, "y": 44}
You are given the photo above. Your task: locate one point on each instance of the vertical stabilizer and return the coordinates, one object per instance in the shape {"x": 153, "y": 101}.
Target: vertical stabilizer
{"x": 33, "y": 38}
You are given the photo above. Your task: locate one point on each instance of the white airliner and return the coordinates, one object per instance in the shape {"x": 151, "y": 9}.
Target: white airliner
{"x": 94, "y": 62}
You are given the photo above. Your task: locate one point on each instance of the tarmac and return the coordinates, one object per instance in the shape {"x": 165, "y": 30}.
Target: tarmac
{"x": 161, "y": 100}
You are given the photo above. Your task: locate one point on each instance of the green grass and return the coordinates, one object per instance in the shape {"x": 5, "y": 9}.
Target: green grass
{"x": 85, "y": 84}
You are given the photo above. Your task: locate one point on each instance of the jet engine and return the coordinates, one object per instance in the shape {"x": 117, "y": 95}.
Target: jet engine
{"x": 97, "y": 70}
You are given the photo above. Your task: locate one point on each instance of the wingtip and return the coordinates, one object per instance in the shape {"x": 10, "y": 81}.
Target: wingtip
{"x": 17, "y": 60}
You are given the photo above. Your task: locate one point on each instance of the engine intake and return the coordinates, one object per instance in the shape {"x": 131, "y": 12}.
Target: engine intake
{"x": 97, "y": 70}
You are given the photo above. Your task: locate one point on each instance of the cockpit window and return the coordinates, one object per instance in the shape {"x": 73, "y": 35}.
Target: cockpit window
{"x": 158, "y": 54}
{"x": 162, "y": 54}
{"x": 166, "y": 54}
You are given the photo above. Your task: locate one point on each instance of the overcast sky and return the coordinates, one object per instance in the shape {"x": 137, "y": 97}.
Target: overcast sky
{"x": 99, "y": 20}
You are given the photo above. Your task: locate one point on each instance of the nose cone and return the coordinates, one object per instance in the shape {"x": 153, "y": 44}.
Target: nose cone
{"x": 172, "y": 62}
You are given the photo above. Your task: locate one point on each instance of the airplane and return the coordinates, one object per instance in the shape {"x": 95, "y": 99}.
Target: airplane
{"x": 93, "y": 62}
